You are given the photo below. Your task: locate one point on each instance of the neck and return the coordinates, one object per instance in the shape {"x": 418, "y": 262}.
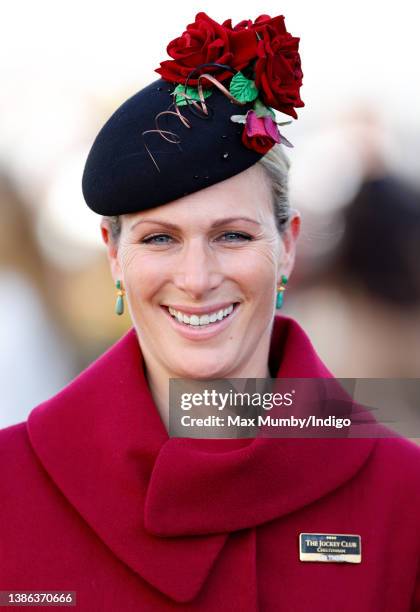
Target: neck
{"x": 158, "y": 376}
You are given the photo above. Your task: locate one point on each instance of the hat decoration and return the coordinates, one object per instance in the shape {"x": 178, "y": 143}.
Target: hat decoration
{"x": 255, "y": 63}
{"x": 230, "y": 80}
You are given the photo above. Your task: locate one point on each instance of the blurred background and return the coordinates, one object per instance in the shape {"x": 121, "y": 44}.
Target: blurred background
{"x": 65, "y": 67}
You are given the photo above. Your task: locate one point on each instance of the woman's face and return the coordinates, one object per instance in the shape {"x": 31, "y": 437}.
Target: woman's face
{"x": 214, "y": 258}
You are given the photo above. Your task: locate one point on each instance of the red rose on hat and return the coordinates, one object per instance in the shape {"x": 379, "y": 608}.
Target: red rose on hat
{"x": 278, "y": 73}
{"x": 206, "y": 41}
{"x": 276, "y": 23}
{"x": 260, "y": 133}
{"x": 242, "y": 25}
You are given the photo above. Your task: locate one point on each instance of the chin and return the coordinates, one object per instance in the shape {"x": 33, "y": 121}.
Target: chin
{"x": 202, "y": 368}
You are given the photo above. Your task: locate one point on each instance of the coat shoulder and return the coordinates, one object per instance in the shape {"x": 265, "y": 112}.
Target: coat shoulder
{"x": 12, "y": 438}
{"x": 17, "y": 459}
{"x": 399, "y": 461}
{"x": 400, "y": 448}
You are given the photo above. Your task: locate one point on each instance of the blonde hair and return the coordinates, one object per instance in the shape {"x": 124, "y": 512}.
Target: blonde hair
{"x": 276, "y": 165}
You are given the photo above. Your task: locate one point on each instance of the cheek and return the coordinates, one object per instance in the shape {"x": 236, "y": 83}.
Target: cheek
{"x": 258, "y": 267}
{"x": 142, "y": 273}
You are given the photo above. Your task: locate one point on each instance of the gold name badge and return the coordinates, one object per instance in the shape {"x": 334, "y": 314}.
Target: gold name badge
{"x": 330, "y": 547}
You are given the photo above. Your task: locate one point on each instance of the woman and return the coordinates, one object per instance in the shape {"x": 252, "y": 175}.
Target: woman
{"x": 97, "y": 498}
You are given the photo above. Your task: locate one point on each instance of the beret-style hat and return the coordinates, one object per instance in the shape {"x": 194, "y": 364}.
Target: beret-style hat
{"x": 210, "y": 116}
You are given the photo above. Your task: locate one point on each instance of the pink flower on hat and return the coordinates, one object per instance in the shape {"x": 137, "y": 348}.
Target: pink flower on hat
{"x": 260, "y": 133}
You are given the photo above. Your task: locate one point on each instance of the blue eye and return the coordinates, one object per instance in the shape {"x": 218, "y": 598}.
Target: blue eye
{"x": 237, "y": 235}
{"x": 153, "y": 239}
{"x": 164, "y": 239}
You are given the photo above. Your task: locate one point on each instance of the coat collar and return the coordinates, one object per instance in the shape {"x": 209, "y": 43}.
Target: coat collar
{"x": 165, "y": 506}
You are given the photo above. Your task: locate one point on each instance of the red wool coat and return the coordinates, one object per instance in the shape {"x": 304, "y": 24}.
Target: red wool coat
{"x": 95, "y": 498}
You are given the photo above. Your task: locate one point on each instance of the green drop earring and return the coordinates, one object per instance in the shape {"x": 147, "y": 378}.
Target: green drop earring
{"x": 280, "y": 290}
{"x": 119, "y": 304}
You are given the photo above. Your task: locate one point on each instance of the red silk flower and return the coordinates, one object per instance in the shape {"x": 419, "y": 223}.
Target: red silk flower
{"x": 206, "y": 41}
{"x": 264, "y": 49}
{"x": 260, "y": 133}
{"x": 276, "y": 23}
{"x": 278, "y": 72}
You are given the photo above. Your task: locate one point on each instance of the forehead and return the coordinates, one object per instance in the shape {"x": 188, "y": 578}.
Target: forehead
{"x": 247, "y": 194}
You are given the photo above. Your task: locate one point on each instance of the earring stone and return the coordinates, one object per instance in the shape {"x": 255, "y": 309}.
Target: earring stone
{"x": 119, "y": 304}
{"x": 280, "y": 291}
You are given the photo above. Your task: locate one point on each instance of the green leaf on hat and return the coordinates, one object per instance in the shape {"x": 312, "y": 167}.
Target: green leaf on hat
{"x": 243, "y": 89}
{"x": 191, "y": 92}
{"x": 262, "y": 110}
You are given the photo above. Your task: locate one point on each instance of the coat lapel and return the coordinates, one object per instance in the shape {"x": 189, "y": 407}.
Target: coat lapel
{"x": 195, "y": 490}
{"x": 165, "y": 507}
{"x": 98, "y": 439}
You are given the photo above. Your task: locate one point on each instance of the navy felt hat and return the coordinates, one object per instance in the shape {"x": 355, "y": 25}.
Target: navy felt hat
{"x": 199, "y": 124}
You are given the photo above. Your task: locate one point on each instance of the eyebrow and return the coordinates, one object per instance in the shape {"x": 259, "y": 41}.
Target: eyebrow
{"x": 215, "y": 223}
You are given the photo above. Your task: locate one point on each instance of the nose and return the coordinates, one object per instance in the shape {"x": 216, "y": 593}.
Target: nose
{"x": 197, "y": 271}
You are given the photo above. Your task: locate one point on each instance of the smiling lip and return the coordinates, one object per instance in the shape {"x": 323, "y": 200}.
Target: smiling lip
{"x": 201, "y": 332}
{"x": 198, "y": 310}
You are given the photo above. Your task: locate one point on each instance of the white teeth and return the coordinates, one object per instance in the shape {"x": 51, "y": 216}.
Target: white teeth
{"x": 228, "y": 310}
{"x": 196, "y": 320}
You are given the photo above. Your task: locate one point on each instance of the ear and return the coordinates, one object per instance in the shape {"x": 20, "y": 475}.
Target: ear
{"x": 112, "y": 250}
{"x": 289, "y": 237}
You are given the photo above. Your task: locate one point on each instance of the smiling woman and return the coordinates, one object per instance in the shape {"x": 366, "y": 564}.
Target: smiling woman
{"x": 201, "y": 292}
{"x": 98, "y": 497}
